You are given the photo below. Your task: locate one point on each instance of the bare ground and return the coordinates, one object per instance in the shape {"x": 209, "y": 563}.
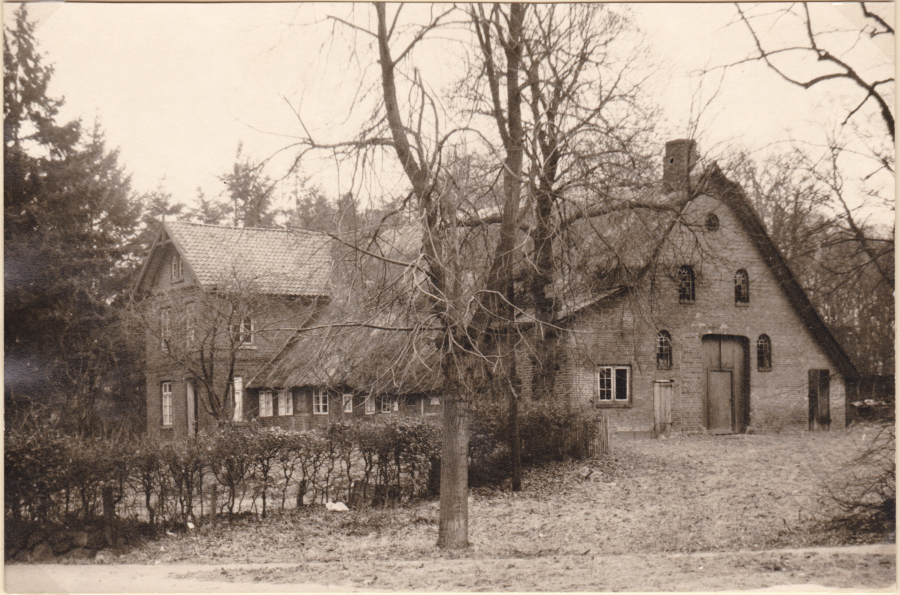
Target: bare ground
{"x": 686, "y": 513}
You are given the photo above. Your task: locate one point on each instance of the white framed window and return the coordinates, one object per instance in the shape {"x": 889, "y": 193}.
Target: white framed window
{"x": 165, "y": 328}
{"x": 320, "y": 402}
{"x": 265, "y": 403}
{"x": 177, "y": 268}
{"x": 285, "y": 403}
{"x": 190, "y": 329}
{"x": 242, "y": 331}
{"x": 237, "y": 393}
{"x": 434, "y": 401}
{"x": 613, "y": 385}
{"x": 388, "y": 404}
{"x": 166, "y": 388}
{"x": 347, "y": 403}
{"x": 370, "y": 405}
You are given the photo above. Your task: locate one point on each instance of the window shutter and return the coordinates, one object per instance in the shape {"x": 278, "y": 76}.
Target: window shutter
{"x": 824, "y": 398}
{"x": 819, "y": 398}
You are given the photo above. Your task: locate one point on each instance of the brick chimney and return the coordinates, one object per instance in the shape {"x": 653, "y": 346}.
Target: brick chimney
{"x": 681, "y": 156}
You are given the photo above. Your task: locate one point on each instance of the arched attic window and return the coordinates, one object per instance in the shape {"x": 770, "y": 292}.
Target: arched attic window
{"x": 764, "y": 353}
{"x": 686, "y": 282}
{"x": 663, "y": 350}
{"x": 741, "y": 287}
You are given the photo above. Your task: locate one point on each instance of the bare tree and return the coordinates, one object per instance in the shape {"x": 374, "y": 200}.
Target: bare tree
{"x": 812, "y": 43}
{"x": 542, "y": 133}
{"x": 209, "y": 335}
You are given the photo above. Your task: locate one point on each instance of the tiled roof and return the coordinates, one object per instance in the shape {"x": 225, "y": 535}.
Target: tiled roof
{"x": 269, "y": 261}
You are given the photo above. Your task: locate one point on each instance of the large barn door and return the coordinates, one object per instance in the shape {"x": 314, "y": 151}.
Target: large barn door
{"x": 727, "y": 383}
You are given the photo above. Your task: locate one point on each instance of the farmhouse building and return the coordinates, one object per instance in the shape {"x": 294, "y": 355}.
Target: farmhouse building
{"x": 684, "y": 317}
{"x": 698, "y": 324}
{"x": 217, "y": 305}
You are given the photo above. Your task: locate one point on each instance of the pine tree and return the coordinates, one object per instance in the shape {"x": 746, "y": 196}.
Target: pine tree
{"x": 70, "y": 221}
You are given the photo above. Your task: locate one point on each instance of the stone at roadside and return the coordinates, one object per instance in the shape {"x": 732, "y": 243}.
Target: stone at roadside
{"x": 33, "y": 540}
{"x": 81, "y": 554}
{"x": 80, "y": 539}
{"x": 42, "y": 552}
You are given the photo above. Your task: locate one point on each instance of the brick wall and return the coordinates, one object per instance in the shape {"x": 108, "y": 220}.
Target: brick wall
{"x": 623, "y": 332}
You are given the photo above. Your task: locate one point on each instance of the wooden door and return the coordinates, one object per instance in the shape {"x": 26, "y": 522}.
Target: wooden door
{"x": 726, "y": 362}
{"x": 720, "y": 402}
{"x": 662, "y": 407}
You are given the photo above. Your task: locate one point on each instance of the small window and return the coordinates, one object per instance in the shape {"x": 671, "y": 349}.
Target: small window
{"x": 237, "y": 394}
{"x": 712, "y": 222}
{"x": 167, "y": 403}
{"x": 370, "y": 405}
{"x": 741, "y": 287}
{"x": 347, "y": 403}
{"x": 613, "y": 385}
{"x": 190, "y": 325}
{"x": 165, "y": 329}
{"x": 764, "y": 353}
{"x": 320, "y": 402}
{"x": 686, "y": 284}
{"x": 177, "y": 268}
{"x": 285, "y": 403}
{"x": 265, "y": 403}
{"x": 388, "y": 404}
{"x": 434, "y": 401}
{"x": 242, "y": 331}
{"x": 663, "y": 351}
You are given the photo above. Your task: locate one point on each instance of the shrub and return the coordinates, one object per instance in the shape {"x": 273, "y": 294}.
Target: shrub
{"x": 548, "y": 431}
{"x": 865, "y": 489}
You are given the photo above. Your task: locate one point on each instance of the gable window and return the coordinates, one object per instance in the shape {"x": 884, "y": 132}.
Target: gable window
{"x": 177, "y": 268}
{"x": 663, "y": 350}
{"x": 764, "y": 353}
{"x": 370, "y": 405}
{"x": 741, "y": 287}
{"x": 166, "y": 403}
{"x": 686, "y": 282}
{"x": 165, "y": 328}
{"x": 265, "y": 403}
{"x": 347, "y": 403}
{"x": 712, "y": 222}
{"x": 320, "y": 402}
{"x": 242, "y": 331}
{"x": 613, "y": 385}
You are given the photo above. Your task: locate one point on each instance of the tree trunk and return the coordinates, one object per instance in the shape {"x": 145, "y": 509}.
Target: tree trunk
{"x": 514, "y": 445}
{"x": 453, "y": 527}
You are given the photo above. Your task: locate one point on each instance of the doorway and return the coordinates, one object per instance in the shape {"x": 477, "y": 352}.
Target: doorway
{"x": 726, "y": 362}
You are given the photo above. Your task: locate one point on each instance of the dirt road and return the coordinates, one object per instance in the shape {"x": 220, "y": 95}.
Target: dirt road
{"x": 870, "y": 567}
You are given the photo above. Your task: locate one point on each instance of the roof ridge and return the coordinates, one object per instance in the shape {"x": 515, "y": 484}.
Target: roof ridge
{"x": 231, "y": 227}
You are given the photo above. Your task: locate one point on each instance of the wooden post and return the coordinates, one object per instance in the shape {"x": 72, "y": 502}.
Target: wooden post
{"x": 214, "y": 499}
{"x": 109, "y": 515}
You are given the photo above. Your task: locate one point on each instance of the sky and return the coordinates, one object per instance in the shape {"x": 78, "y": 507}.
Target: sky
{"x": 176, "y": 87}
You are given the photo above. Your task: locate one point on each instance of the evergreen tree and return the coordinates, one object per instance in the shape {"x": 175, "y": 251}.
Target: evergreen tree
{"x": 70, "y": 222}
{"x": 250, "y": 193}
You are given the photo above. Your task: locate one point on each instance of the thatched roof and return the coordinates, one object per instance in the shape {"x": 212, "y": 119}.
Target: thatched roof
{"x": 358, "y": 358}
